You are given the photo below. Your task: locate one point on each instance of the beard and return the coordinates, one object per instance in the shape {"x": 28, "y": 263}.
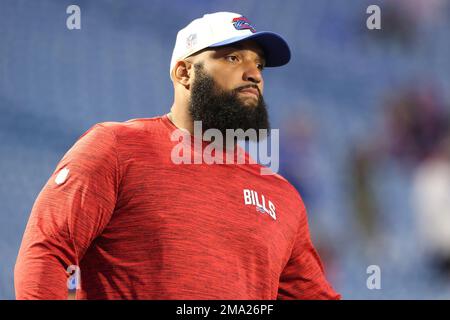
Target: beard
{"x": 220, "y": 109}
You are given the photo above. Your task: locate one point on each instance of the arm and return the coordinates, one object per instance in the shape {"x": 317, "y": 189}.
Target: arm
{"x": 66, "y": 217}
{"x": 303, "y": 276}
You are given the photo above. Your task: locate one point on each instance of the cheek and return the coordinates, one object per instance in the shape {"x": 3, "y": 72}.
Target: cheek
{"x": 224, "y": 77}
{"x": 226, "y": 82}
{"x": 222, "y": 81}
{"x": 218, "y": 76}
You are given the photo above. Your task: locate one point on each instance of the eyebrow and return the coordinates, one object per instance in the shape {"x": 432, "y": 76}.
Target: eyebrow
{"x": 239, "y": 46}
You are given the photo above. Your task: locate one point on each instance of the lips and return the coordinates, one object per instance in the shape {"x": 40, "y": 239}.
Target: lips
{"x": 250, "y": 91}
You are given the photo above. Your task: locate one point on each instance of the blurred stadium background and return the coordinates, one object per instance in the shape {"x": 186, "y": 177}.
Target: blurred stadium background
{"x": 363, "y": 118}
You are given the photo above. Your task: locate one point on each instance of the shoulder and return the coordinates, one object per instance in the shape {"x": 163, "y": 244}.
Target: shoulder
{"x": 104, "y": 137}
{"x": 114, "y": 131}
{"x": 278, "y": 187}
{"x": 135, "y": 125}
{"x": 276, "y": 179}
{"x": 293, "y": 192}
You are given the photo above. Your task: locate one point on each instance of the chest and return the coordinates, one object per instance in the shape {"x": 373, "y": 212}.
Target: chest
{"x": 203, "y": 206}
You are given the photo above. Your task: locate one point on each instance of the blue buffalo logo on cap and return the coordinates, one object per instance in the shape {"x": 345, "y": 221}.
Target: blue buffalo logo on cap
{"x": 242, "y": 23}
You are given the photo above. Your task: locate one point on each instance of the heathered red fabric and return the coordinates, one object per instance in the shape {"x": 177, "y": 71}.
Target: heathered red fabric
{"x": 141, "y": 227}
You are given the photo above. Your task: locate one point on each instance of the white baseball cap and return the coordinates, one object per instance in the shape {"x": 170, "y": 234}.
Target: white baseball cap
{"x": 223, "y": 28}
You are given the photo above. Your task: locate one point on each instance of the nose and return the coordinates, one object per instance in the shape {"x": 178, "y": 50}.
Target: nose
{"x": 252, "y": 73}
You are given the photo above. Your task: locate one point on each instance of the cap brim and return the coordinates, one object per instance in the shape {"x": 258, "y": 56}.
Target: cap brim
{"x": 276, "y": 49}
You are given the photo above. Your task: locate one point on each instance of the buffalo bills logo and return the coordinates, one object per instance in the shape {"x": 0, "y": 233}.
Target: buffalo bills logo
{"x": 242, "y": 23}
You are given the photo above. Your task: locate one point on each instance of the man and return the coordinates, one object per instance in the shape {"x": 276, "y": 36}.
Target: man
{"x": 137, "y": 225}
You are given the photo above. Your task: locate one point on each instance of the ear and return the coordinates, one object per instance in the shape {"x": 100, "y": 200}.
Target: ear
{"x": 182, "y": 72}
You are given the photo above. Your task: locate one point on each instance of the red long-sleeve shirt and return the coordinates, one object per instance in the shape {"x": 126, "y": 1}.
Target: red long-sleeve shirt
{"x": 140, "y": 226}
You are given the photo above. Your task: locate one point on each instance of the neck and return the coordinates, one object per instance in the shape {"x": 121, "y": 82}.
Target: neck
{"x": 181, "y": 118}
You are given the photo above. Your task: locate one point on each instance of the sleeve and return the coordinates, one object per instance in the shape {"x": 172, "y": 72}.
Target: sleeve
{"x": 71, "y": 210}
{"x": 303, "y": 277}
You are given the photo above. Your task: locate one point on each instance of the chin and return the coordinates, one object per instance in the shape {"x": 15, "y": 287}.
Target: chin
{"x": 250, "y": 102}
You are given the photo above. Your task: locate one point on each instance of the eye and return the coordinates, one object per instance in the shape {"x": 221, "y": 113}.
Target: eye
{"x": 260, "y": 66}
{"x": 232, "y": 58}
